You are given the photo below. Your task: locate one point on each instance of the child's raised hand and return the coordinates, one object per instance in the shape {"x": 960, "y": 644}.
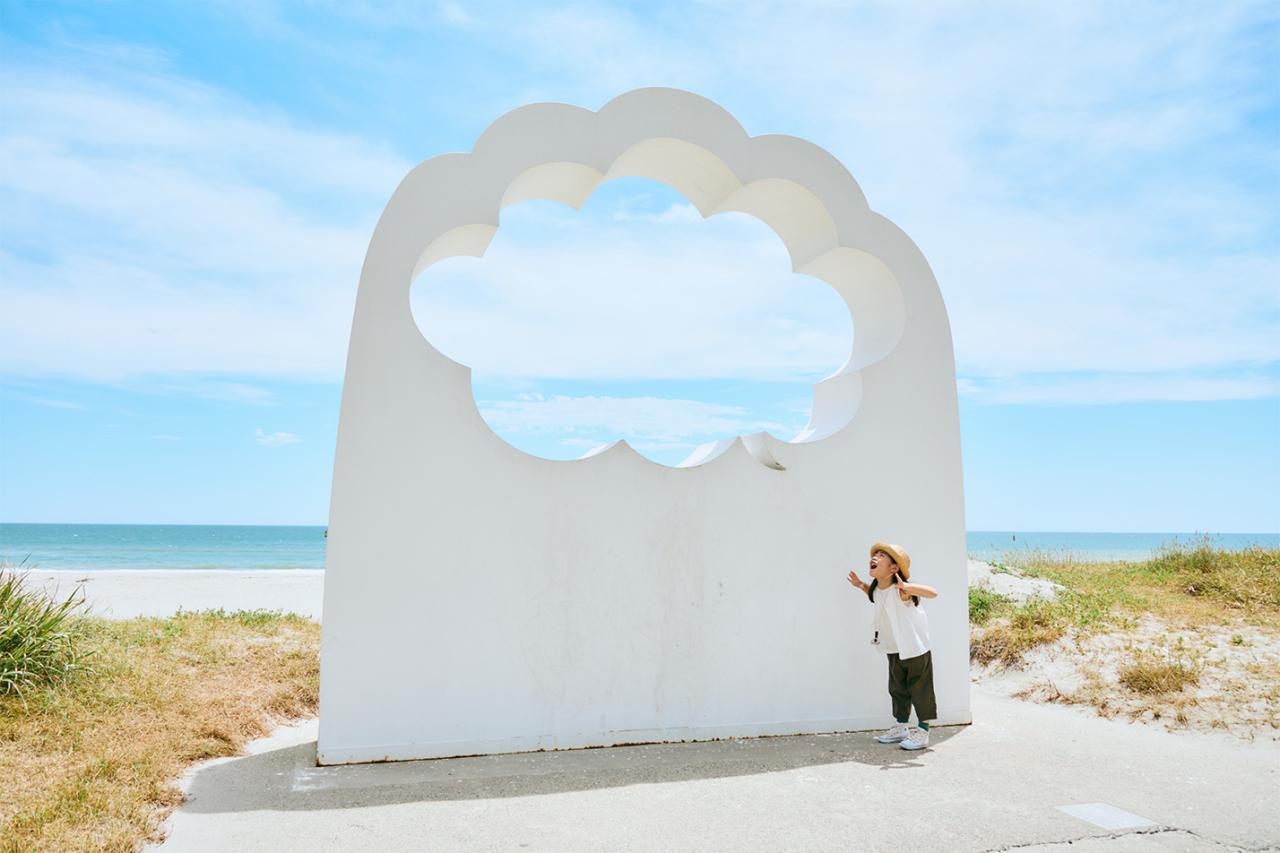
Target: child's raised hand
{"x": 855, "y": 580}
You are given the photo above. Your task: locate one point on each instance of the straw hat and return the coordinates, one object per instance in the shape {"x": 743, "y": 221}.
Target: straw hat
{"x": 899, "y": 556}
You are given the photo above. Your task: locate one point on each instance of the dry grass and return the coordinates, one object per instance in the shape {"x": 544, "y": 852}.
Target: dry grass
{"x": 1022, "y": 629}
{"x": 1185, "y": 584}
{"x": 1150, "y": 673}
{"x": 90, "y": 765}
{"x": 1190, "y": 638}
{"x": 1183, "y": 581}
{"x": 1184, "y": 679}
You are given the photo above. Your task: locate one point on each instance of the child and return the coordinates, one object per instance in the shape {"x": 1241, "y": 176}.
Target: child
{"x": 902, "y": 630}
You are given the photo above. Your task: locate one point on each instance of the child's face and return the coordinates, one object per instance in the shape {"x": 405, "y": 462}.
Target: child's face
{"x": 882, "y": 567}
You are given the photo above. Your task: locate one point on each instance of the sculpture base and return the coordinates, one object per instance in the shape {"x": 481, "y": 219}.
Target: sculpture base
{"x": 622, "y": 737}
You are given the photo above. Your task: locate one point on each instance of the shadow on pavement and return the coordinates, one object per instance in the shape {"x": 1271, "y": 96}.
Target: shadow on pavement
{"x": 288, "y": 778}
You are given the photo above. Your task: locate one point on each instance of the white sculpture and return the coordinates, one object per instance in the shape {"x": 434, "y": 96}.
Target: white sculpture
{"x": 481, "y": 600}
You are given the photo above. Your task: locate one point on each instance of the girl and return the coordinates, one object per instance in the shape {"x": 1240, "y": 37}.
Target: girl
{"x": 902, "y": 630}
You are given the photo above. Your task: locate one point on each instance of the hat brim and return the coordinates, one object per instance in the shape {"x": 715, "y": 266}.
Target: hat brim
{"x": 899, "y": 556}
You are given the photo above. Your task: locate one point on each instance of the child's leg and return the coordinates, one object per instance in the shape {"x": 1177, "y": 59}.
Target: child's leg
{"x": 898, "y": 690}
{"x": 919, "y": 683}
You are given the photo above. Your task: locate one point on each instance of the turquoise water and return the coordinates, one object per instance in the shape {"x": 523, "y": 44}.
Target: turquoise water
{"x": 180, "y": 546}
{"x": 1008, "y": 545}
{"x": 162, "y": 546}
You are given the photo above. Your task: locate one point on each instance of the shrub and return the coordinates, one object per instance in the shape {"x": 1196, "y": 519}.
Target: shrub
{"x": 981, "y": 604}
{"x": 1028, "y": 626}
{"x": 40, "y": 638}
{"x": 1246, "y": 578}
{"x": 1148, "y": 673}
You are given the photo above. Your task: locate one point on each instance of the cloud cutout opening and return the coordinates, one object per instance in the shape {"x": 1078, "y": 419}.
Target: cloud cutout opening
{"x": 450, "y": 205}
{"x": 625, "y": 315}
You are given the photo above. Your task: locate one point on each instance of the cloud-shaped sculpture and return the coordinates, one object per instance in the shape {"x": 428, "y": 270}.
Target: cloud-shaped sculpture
{"x": 702, "y": 300}
{"x": 482, "y": 600}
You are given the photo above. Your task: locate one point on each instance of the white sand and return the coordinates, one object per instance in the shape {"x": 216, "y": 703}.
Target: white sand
{"x": 1235, "y": 696}
{"x": 1010, "y": 582}
{"x": 120, "y": 594}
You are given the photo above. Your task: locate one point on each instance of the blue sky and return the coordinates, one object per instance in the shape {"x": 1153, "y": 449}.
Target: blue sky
{"x": 189, "y": 189}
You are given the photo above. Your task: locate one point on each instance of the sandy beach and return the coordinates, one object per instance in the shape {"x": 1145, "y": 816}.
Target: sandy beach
{"x": 123, "y": 594}
{"x": 741, "y": 793}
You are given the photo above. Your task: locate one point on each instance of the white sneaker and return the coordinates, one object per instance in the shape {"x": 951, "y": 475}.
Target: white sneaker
{"x": 895, "y": 734}
{"x": 917, "y": 738}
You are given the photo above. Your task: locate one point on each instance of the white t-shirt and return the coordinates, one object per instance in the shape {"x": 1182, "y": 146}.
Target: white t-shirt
{"x": 902, "y": 625}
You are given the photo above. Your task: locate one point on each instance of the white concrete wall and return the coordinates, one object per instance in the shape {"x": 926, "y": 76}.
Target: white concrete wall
{"x": 478, "y": 599}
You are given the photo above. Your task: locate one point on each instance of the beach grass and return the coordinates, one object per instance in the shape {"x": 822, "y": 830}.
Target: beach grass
{"x": 40, "y": 637}
{"x": 1152, "y": 673}
{"x": 1190, "y": 637}
{"x": 89, "y": 762}
{"x": 1183, "y": 583}
{"x": 982, "y": 602}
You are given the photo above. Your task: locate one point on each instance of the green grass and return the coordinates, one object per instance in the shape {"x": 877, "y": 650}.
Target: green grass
{"x": 41, "y": 640}
{"x": 1187, "y": 582}
{"x": 1242, "y": 579}
{"x": 982, "y": 602}
{"x": 1248, "y": 579}
{"x": 1020, "y": 628}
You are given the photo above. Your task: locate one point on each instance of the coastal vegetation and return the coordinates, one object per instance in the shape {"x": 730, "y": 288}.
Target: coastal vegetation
{"x": 40, "y": 636}
{"x": 90, "y": 753}
{"x": 1190, "y": 637}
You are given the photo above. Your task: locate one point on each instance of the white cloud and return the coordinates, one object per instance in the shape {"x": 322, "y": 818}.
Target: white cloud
{"x": 676, "y": 214}
{"x": 454, "y": 13}
{"x": 275, "y": 439}
{"x": 1090, "y": 182}
{"x": 648, "y": 419}
{"x": 580, "y": 442}
{"x": 712, "y": 298}
{"x": 157, "y": 226}
{"x": 1101, "y": 389}
{"x": 662, "y": 446}
{"x": 48, "y": 402}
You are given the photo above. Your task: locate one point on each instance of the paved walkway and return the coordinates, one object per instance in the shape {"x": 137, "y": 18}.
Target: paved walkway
{"x": 1023, "y": 775}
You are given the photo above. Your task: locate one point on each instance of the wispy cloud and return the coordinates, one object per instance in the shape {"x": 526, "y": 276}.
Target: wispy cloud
{"x": 649, "y": 420}
{"x": 455, "y": 14}
{"x": 675, "y": 214}
{"x": 275, "y": 439}
{"x": 712, "y": 298}
{"x": 1093, "y": 185}
{"x": 1105, "y": 388}
{"x": 154, "y": 225}
{"x": 580, "y": 442}
{"x": 48, "y": 402}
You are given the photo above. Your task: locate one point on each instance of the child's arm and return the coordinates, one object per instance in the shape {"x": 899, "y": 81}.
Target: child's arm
{"x": 857, "y": 581}
{"x": 917, "y": 589}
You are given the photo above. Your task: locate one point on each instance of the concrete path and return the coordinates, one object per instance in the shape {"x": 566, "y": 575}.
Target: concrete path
{"x": 123, "y": 594}
{"x": 1029, "y": 776}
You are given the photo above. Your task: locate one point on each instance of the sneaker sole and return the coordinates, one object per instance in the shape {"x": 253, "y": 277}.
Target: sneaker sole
{"x": 914, "y": 746}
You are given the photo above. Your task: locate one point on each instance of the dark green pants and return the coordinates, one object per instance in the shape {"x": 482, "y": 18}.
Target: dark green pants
{"x": 911, "y": 683}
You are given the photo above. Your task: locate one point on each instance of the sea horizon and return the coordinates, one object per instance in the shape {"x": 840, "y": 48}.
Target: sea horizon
{"x": 250, "y": 547}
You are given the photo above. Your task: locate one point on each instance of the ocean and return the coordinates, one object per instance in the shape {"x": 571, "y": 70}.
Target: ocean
{"x": 236, "y": 547}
